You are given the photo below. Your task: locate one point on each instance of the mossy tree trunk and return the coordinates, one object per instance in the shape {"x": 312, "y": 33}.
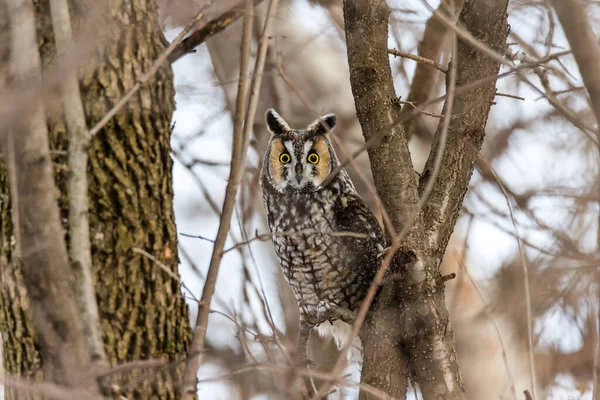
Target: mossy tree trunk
{"x": 143, "y": 313}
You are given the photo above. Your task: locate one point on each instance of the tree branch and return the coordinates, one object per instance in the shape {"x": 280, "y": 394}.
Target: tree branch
{"x": 46, "y": 273}
{"x": 79, "y": 227}
{"x": 410, "y": 314}
{"x": 419, "y": 59}
{"x": 210, "y": 29}
{"x": 430, "y": 47}
{"x": 584, "y": 45}
{"x": 241, "y": 140}
{"x": 377, "y": 107}
{"x": 486, "y": 21}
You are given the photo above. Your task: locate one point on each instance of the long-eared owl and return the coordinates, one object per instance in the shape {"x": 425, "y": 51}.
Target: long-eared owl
{"x": 325, "y": 236}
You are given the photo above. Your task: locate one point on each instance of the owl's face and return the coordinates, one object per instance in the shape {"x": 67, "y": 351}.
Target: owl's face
{"x": 299, "y": 160}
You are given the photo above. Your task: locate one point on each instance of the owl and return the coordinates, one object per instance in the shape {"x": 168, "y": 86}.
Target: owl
{"x": 325, "y": 236}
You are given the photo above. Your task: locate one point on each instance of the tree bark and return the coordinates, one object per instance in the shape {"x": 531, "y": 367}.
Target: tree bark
{"x": 143, "y": 313}
{"x": 486, "y": 20}
{"x": 408, "y": 329}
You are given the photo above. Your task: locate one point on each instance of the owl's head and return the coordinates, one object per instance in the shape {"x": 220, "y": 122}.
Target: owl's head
{"x": 299, "y": 160}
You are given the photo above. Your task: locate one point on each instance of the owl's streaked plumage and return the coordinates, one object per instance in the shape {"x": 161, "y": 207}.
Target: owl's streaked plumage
{"x": 325, "y": 236}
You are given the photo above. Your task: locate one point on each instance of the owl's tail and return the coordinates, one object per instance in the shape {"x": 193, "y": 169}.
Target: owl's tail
{"x": 341, "y": 332}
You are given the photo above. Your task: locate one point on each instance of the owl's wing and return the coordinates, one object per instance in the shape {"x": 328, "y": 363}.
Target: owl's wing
{"x": 353, "y": 215}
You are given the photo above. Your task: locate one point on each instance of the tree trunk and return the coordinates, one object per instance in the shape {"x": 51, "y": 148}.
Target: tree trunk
{"x": 143, "y": 313}
{"x": 408, "y": 329}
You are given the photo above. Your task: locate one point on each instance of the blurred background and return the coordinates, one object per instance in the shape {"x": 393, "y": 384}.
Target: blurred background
{"x": 548, "y": 167}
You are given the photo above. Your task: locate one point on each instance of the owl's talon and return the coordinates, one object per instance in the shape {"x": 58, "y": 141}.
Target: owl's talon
{"x": 383, "y": 252}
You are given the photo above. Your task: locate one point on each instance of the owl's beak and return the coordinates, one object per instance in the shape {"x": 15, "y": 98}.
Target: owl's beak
{"x": 298, "y": 177}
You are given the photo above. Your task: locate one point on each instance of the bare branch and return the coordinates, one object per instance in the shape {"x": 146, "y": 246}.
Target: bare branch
{"x": 207, "y": 31}
{"x": 586, "y": 51}
{"x": 378, "y": 109}
{"x": 47, "y": 276}
{"x": 584, "y": 45}
{"x": 466, "y": 133}
{"x": 430, "y": 47}
{"x": 419, "y": 59}
{"x": 525, "y": 283}
{"x": 241, "y": 139}
{"x": 79, "y": 227}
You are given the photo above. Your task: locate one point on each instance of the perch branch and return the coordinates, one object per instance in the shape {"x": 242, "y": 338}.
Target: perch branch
{"x": 378, "y": 111}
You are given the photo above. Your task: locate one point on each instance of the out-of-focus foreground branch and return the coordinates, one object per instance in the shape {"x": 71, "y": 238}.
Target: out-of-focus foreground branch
{"x": 421, "y": 339}
{"x": 47, "y": 276}
{"x": 79, "y": 225}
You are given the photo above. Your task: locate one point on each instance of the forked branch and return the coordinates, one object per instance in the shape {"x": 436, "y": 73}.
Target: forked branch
{"x": 429, "y": 349}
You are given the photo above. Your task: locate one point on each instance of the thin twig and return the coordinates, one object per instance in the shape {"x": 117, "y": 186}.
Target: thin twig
{"x": 79, "y": 227}
{"x": 377, "y": 136}
{"x": 47, "y": 390}
{"x": 241, "y": 139}
{"x": 330, "y": 377}
{"x": 267, "y": 236}
{"x": 482, "y": 47}
{"x": 210, "y": 29}
{"x": 512, "y": 96}
{"x": 166, "y": 269}
{"x": 445, "y": 124}
{"x": 147, "y": 75}
{"x": 525, "y": 282}
{"x": 419, "y": 59}
{"x": 432, "y": 45}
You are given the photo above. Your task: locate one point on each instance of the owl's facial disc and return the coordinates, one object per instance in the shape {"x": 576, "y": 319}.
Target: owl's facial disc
{"x": 297, "y": 165}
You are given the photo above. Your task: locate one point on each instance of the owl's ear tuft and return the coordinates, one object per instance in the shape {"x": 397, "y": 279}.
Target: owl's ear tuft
{"x": 275, "y": 124}
{"x": 323, "y": 125}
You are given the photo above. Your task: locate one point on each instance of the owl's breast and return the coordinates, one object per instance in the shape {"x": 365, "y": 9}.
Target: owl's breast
{"x": 315, "y": 261}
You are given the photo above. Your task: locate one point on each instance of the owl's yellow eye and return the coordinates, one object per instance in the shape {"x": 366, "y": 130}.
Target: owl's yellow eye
{"x": 284, "y": 158}
{"x": 313, "y": 158}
